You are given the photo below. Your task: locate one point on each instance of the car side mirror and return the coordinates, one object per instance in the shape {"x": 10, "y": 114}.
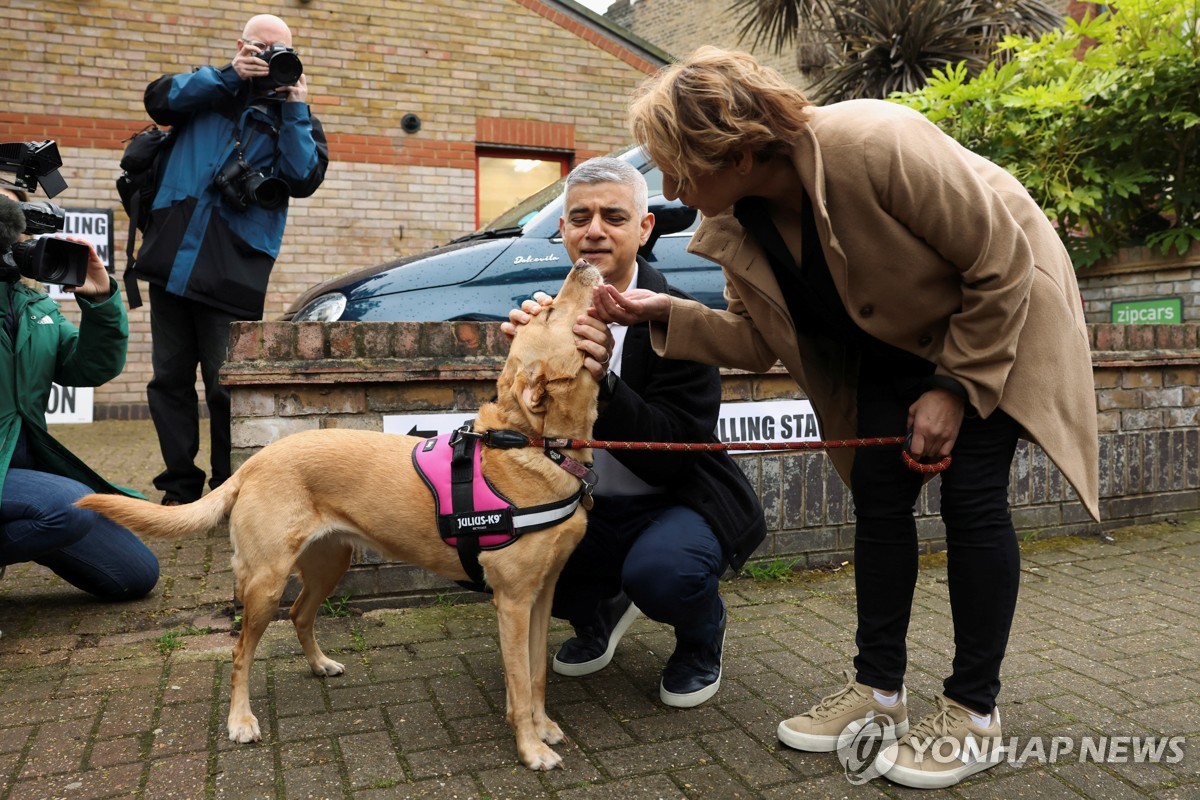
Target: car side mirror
{"x": 670, "y": 216}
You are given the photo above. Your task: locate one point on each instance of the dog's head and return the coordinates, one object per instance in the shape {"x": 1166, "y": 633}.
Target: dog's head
{"x": 544, "y": 383}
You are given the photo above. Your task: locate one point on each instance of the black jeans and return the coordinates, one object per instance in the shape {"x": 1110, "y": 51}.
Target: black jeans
{"x": 983, "y": 557}
{"x": 185, "y": 334}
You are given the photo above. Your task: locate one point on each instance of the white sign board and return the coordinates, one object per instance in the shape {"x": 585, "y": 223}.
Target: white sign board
{"x": 426, "y": 425}
{"x": 93, "y": 225}
{"x": 767, "y": 421}
{"x": 69, "y": 404}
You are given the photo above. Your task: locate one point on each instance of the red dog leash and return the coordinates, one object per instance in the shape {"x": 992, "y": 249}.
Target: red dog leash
{"x": 703, "y": 447}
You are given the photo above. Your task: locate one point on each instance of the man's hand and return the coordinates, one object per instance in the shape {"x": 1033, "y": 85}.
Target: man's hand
{"x": 630, "y": 308}
{"x": 595, "y": 340}
{"x": 592, "y": 337}
{"x": 297, "y": 92}
{"x": 528, "y": 310}
{"x": 96, "y": 286}
{"x": 934, "y": 421}
{"x": 248, "y": 65}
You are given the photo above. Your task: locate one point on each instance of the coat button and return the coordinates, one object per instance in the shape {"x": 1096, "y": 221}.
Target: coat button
{"x": 925, "y": 340}
{"x": 866, "y": 310}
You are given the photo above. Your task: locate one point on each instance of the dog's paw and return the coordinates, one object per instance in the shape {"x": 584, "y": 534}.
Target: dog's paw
{"x": 541, "y": 758}
{"x": 549, "y": 732}
{"x": 244, "y": 730}
{"x": 328, "y": 666}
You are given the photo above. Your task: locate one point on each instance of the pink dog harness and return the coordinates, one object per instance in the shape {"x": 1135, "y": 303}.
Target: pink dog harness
{"x": 471, "y": 515}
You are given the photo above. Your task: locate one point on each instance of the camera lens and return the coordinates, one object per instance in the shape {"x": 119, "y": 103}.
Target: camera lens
{"x": 270, "y": 193}
{"x": 52, "y": 260}
{"x": 285, "y": 68}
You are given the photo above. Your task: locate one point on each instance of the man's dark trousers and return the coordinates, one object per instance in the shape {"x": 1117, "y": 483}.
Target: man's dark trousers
{"x": 185, "y": 333}
{"x": 664, "y": 555}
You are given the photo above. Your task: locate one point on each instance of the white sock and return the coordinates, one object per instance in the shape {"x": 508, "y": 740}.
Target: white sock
{"x": 983, "y": 722}
{"x": 886, "y": 699}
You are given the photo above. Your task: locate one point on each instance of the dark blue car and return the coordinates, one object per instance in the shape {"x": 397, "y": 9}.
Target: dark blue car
{"x": 485, "y": 274}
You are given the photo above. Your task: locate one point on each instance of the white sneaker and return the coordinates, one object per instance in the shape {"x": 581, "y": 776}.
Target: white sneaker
{"x": 942, "y": 749}
{"x": 819, "y": 729}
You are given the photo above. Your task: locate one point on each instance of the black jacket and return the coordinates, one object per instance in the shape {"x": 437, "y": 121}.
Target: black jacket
{"x": 663, "y": 400}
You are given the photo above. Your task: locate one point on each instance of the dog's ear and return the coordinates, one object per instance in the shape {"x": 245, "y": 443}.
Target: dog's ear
{"x": 533, "y": 393}
{"x": 522, "y": 395}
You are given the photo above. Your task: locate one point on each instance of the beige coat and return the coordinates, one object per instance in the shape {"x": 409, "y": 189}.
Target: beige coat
{"x": 934, "y": 250}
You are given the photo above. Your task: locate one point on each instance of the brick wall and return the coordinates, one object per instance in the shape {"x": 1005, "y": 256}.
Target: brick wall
{"x": 1140, "y": 274}
{"x": 518, "y": 72}
{"x": 288, "y": 378}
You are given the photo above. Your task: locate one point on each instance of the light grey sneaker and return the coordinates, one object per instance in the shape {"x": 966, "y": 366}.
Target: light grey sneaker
{"x": 942, "y": 749}
{"x": 840, "y": 715}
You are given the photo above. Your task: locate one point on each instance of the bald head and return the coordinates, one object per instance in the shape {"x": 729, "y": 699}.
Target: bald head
{"x": 268, "y": 29}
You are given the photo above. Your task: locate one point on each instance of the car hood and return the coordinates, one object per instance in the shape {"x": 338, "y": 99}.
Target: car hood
{"x": 430, "y": 269}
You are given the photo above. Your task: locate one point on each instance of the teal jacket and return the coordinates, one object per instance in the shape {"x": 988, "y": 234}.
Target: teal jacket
{"x": 49, "y": 349}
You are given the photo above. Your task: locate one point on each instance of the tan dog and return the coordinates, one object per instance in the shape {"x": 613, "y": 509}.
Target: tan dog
{"x": 298, "y": 506}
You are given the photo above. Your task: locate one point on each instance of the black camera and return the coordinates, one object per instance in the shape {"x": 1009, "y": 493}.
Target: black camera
{"x": 283, "y": 65}
{"x": 240, "y": 184}
{"x": 47, "y": 259}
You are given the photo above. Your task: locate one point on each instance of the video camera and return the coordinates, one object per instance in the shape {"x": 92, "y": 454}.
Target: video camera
{"x": 49, "y": 260}
{"x": 34, "y": 163}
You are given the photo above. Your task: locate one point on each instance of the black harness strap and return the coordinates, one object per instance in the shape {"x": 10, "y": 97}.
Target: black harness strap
{"x": 462, "y": 467}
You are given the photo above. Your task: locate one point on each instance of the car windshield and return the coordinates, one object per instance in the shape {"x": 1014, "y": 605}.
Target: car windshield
{"x": 527, "y": 209}
{"x": 524, "y": 211}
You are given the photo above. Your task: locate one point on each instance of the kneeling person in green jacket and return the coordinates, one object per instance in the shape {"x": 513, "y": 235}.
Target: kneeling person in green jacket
{"x": 40, "y": 480}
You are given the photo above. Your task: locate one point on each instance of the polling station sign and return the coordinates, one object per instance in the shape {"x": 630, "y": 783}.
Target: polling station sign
{"x": 93, "y": 225}
{"x": 760, "y": 422}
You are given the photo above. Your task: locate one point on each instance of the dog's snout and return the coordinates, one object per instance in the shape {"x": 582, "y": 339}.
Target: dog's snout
{"x": 588, "y": 274}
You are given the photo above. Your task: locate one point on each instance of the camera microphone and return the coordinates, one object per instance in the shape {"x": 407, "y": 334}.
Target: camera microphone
{"x": 12, "y": 223}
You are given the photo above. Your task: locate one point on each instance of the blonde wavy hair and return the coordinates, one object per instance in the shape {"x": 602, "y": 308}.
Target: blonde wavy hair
{"x": 692, "y": 116}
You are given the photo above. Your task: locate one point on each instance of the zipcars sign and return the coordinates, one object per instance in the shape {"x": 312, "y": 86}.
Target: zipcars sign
{"x": 1157, "y": 311}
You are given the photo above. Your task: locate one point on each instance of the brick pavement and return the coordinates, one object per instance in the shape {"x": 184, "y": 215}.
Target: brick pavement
{"x": 129, "y": 701}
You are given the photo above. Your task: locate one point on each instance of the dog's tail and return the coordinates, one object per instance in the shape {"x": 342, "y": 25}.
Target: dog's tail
{"x": 166, "y": 522}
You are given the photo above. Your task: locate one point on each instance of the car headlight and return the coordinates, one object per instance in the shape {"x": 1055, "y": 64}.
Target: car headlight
{"x": 326, "y": 308}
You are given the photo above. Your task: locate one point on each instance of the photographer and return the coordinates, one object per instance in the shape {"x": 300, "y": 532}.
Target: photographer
{"x": 39, "y": 478}
{"x": 244, "y": 142}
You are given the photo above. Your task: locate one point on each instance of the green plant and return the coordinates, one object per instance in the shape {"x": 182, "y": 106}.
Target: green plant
{"x": 169, "y": 642}
{"x": 870, "y": 48}
{"x": 778, "y": 569}
{"x": 173, "y": 640}
{"x": 1100, "y": 121}
{"x": 336, "y": 607}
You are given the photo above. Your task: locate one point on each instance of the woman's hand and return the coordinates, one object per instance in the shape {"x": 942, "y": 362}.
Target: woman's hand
{"x": 630, "y": 308}
{"x": 934, "y": 421}
{"x": 96, "y": 287}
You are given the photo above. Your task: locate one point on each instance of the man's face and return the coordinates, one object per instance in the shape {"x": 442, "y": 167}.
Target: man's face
{"x": 602, "y": 224}
{"x": 260, "y": 35}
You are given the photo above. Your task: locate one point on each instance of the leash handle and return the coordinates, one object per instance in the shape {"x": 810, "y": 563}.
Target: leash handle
{"x": 917, "y": 465}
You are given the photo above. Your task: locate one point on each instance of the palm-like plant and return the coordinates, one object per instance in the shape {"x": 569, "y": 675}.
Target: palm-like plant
{"x": 871, "y": 48}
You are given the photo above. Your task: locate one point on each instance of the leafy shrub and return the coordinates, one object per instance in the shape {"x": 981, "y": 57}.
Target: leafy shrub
{"x": 1100, "y": 120}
